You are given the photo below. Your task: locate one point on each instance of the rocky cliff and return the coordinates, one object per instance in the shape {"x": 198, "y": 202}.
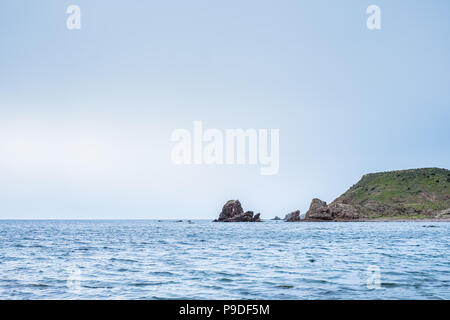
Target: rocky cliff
{"x": 406, "y": 194}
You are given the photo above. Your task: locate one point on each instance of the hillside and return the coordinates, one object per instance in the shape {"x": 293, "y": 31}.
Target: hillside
{"x": 406, "y": 194}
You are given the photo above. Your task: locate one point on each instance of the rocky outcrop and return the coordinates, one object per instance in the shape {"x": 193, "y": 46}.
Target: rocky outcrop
{"x": 276, "y": 218}
{"x": 320, "y": 211}
{"x": 412, "y": 194}
{"x": 293, "y": 216}
{"x": 232, "y": 212}
{"x": 344, "y": 212}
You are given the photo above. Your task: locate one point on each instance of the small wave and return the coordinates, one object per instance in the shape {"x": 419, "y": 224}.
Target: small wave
{"x": 285, "y": 286}
{"x": 212, "y": 287}
{"x": 36, "y": 285}
{"x": 162, "y": 273}
{"x": 96, "y": 287}
{"x": 321, "y": 281}
{"x": 19, "y": 245}
{"x": 151, "y": 283}
{"x": 122, "y": 260}
{"x": 390, "y": 284}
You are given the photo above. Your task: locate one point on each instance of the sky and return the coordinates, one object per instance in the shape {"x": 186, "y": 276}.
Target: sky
{"x": 86, "y": 116}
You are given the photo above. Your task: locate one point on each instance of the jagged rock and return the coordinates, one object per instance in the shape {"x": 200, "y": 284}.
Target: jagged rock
{"x": 232, "y": 212}
{"x": 257, "y": 218}
{"x": 293, "y": 216}
{"x": 318, "y": 210}
{"x": 231, "y": 209}
{"x": 342, "y": 211}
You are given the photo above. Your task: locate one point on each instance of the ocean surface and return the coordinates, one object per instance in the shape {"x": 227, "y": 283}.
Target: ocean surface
{"x": 204, "y": 260}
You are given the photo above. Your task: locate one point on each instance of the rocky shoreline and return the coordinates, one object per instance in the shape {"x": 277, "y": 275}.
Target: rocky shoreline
{"x": 405, "y": 195}
{"x": 318, "y": 212}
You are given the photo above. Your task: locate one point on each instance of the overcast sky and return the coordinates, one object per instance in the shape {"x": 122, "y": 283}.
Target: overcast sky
{"x": 86, "y": 115}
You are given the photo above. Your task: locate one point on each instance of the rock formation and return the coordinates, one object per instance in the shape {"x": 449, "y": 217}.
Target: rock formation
{"x": 405, "y": 194}
{"x": 320, "y": 211}
{"x": 232, "y": 212}
{"x": 342, "y": 211}
{"x": 293, "y": 216}
{"x": 276, "y": 218}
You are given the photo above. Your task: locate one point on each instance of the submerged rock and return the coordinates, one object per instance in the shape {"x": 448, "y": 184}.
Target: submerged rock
{"x": 232, "y": 212}
{"x": 293, "y": 216}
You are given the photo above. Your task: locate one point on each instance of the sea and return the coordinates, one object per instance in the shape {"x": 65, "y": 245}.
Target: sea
{"x": 200, "y": 259}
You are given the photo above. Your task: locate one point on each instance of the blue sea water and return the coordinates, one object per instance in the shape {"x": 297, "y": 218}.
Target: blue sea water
{"x": 205, "y": 260}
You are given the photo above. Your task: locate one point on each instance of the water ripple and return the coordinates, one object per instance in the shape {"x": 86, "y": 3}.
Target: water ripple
{"x": 203, "y": 260}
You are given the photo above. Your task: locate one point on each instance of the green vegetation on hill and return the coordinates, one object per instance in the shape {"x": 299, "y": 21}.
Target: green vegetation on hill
{"x": 405, "y": 194}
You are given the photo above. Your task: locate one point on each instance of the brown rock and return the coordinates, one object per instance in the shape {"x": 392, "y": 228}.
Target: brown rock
{"x": 341, "y": 211}
{"x": 337, "y": 211}
{"x": 318, "y": 210}
{"x": 293, "y": 216}
{"x": 232, "y": 212}
{"x": 231, "y": 209}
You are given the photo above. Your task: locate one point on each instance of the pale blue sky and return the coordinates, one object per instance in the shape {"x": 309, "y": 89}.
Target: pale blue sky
{"x": 86, "y": 115}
